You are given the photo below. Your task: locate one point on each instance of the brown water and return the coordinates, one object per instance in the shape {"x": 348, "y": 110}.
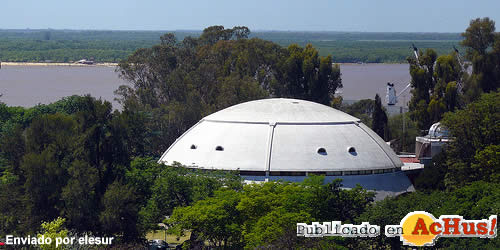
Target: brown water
{"x": 363, "y": 81}
{"x": 29, "y": 85}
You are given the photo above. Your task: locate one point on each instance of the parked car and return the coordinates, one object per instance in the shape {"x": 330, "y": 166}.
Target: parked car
{"x": 157, "y": 244}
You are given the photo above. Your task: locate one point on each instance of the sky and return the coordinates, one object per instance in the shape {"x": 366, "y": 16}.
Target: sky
{"x": 293, "y": 15}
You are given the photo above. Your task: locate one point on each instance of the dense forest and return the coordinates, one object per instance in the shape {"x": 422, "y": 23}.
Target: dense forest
{"x": 114, "y": 46}
{"x": 76, "y": 167}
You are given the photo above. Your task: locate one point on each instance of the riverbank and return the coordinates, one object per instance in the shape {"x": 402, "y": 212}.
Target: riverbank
{"x": 58, "y": 64}
{"x": 378, "y": 63}
{"x": 108, "y": 64}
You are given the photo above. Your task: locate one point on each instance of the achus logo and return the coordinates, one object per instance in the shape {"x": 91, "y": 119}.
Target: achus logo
{"x": 420, "y": 228}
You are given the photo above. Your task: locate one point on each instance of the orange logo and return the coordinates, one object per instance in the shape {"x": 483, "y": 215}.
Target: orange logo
{"x": 415, "y": 231}
{"x": 420, "y": 228}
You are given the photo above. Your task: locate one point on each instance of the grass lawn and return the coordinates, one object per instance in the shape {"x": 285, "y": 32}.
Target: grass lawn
{"x": 171, "y": 239}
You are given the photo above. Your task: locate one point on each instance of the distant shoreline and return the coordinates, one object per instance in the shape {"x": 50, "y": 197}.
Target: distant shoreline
{"x": 58, "y": 64}
{"x": 361, "y": 64}
{"x": 107, "y": 64}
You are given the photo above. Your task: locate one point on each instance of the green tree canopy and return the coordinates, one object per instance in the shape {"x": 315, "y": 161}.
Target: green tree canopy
{"x": 483, "y": 50}
{"x": 476, "y": 201}
{"x": 265, "y": 215}
{"x": 174, "y": 84}
{"x": 473, "y": 153}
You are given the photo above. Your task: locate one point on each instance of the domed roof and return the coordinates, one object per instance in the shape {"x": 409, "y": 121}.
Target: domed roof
{"x": 281, "y": 110}
{"x": 438, "y": 130}
{"x": 283, "y": 135}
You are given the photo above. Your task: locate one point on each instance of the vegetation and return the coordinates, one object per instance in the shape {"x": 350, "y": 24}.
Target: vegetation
{"x": 114, "y": 46}
{"x": 378, "y": 51}
{"x": 75, "y": 163}
{"x": 53, "y": 230}
{"x": 67, "y": 45}
{"x": 76, "y": 167}
{"x": 267, "y": 214}
{"x": 362, "y": 109}
{"x": 379, "y": 119}
{"x": 475, "y": 156}
{"x": 402, "y": 141}
{"x": 174, "y": 84}
{"x": 477, "y": 200}
{"x": 438, "y": 82}
{"x": 389, "y": 128}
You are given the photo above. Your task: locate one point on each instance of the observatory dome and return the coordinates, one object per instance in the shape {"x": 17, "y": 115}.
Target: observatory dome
{"x": 290, "y": 139}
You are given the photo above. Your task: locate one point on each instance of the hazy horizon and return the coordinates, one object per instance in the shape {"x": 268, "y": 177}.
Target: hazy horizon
{"x": 201, "y": 30}
{"x": 226, "y": 26}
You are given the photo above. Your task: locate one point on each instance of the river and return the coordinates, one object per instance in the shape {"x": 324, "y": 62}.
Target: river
{"x": 30, "y": 85}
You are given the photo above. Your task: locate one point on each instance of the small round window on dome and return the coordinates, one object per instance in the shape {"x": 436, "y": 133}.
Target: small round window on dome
{"x": 352, "y": 150}
{"x": 322, "y": 151}
{"x": 219, "y": 148}
{"x": 193, "y": 146}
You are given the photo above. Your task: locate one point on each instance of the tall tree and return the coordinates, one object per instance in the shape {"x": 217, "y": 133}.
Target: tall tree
{"x": 379, "y": 119}
{"x": 100, "y": 142}
{"x": 120, "y": 213}
{"x": 81, "y": 204}
{"x": 473, "y": 155}
{"x": 306, "y": 75}
{"x": 362, "y": 109}
{"x": 479, "y": 36}
{"x": 483, "y": 50}
{"x": 438, "y": 83}
{"x": 49, "y": 146}
{"x": 434, "y": 81}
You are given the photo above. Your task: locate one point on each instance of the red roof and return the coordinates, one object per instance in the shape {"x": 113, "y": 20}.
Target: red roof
{"x": 409, "y": 159}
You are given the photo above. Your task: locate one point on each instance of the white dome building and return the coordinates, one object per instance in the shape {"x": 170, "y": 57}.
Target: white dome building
{"x": 289, "y": 139}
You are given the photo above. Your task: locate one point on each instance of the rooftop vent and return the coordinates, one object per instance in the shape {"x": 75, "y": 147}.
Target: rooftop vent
{"x": 193, "y": 146}
{"x": 219, "y": 148}
{"x": 322, "y": 151}
{"x": 352, "y": 151}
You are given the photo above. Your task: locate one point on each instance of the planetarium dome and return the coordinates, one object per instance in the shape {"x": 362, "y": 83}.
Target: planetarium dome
{"x": 290, "y": 139}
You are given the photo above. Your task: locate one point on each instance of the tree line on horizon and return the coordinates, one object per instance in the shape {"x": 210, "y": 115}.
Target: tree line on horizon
{"x": 114, "y": 46}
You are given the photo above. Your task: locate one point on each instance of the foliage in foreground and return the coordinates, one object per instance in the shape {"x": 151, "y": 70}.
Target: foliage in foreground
{"x": 137, "y": 194}
{"x": 53, "y": 229}
{"x": 474, "y": 153}
{"x": 477, "y": 201}
{"x": 265, "y": 215}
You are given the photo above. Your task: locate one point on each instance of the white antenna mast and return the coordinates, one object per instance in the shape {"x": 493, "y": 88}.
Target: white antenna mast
{"x": 462, "y": 67}
{"x": 391, "y": 96}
